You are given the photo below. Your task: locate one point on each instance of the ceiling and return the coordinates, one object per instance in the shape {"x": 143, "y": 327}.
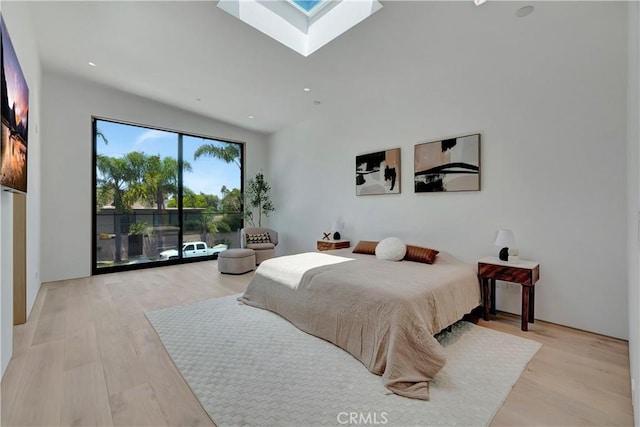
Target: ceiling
{"x": 194, "y": 56}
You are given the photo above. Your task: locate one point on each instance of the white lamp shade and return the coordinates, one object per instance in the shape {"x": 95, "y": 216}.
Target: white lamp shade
{"x": 505, "y": 238}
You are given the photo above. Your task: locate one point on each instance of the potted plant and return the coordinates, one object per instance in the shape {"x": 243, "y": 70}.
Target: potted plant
{"x": 257, "y": 198}
{"x": 136, "y": 232}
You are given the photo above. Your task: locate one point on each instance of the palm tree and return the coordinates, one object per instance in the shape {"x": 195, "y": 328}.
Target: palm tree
{"x": 228, "y": 152}
{"x": 231, "y": 205}
{"x": 101, "y": 136}
{"x": 208, "y": 225}
{"x": 158, "y": 180}
{"x": 115, "y": 176}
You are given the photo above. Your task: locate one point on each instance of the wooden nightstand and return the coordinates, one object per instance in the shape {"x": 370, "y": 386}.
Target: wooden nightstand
{"x": 525, "y": 273}
{"x": 327, "y": 245}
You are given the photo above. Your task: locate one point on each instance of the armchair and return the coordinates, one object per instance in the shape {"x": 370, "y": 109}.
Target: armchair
{"x": 255, "y": 238}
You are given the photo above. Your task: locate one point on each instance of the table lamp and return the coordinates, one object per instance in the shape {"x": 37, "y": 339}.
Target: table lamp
{"x": 337, "y": 227}
{"x": 505, "y": 240}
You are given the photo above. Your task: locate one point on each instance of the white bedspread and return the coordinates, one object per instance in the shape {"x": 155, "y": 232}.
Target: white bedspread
{"x": 288, "y": 270}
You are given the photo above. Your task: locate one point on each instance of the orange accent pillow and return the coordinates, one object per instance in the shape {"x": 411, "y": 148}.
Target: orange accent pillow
{"x": 420, "y": 254}
{"x": 365, "y": 247}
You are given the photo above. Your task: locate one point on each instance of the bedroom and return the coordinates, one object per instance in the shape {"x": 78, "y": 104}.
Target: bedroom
{"x": 544, "y": 99}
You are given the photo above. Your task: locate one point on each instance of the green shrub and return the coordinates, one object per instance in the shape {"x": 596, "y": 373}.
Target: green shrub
{"x": 138, "y": 227}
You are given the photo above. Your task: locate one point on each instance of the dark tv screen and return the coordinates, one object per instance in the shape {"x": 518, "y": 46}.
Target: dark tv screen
{"x": 15, "y": 112}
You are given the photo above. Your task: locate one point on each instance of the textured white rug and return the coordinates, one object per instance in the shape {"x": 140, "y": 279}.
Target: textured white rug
{"x": 251, "y": 367}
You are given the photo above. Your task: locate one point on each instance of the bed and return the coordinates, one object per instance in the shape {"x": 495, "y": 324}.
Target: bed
{"x": 384, "y": 313}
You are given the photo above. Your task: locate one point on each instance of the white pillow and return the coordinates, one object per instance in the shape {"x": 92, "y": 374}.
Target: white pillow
{"x": 391, "y": 249}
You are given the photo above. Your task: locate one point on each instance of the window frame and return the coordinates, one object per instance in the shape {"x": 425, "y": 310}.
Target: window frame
{"x": 94, "y": 226}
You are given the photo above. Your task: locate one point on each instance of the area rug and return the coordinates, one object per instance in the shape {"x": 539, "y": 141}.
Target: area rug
{"x": 251, "y": 367}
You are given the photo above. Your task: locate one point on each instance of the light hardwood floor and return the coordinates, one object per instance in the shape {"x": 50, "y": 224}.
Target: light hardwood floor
{"x": 88, "y": 356}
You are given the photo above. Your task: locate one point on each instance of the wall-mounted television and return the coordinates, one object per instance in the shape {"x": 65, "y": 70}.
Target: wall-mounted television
{"x": 15, "y": 112}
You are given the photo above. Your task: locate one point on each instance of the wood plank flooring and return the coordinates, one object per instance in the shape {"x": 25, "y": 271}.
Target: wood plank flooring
{"x": 87, "y": 356}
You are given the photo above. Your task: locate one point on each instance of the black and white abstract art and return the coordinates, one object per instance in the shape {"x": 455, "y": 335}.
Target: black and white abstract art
{"x": 378, "y": 173}
{"x": 448, "y": 165}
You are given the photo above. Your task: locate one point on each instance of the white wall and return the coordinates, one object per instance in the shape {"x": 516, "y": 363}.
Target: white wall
{"x": 548, "y": 95}
{"x": 67, "y": 187}
{"x": 633, "y": 195}
{"x": 18, "y": 21}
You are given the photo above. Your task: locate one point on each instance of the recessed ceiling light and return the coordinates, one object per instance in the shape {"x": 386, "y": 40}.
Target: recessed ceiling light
{"x": 524, "y": 11}
{"x": 198, "y": 99}
{"x": 92, "y": 64}
{"x": 317, "y": 102}
{"x": 306, "y": 89}
{"x": 251, "y": 117}
{"x": 479, "y": 2}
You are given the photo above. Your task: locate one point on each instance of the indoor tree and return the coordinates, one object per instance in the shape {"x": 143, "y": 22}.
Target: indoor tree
{"x": 257, "y": 197}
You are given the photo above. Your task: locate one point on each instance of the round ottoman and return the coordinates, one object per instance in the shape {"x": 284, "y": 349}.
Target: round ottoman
{"x": 236, "y": 261}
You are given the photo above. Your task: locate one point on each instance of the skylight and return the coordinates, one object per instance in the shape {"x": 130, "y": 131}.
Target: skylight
{"x": 302, "y": 25}
{"x": 307, "y": 5}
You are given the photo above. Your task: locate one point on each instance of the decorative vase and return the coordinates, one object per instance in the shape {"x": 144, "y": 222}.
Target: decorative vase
{"x": 504, "y": 254}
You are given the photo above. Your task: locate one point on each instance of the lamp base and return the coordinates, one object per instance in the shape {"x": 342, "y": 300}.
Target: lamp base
{"x": 336, "y": 236}
{"x": 504, "y": 254}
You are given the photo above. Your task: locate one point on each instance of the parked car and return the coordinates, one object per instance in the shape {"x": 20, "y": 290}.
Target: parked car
{"x": 193, "y": 249}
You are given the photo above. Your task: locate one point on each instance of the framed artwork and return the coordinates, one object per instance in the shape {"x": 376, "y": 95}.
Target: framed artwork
{"x": 447, "y": 165}
{"x": 378, "y": 173}
{"x": 15, "y": 111}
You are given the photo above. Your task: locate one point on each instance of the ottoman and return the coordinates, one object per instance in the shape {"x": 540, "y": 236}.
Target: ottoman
{"x": 236, "y": 261}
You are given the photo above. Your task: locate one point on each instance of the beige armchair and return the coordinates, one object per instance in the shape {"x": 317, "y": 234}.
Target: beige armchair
{"x": 253, "y": 238}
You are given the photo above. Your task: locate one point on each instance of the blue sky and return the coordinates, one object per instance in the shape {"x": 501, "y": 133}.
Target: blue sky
{"x": 307, "y": 4}
{"x": 208, "y": 175}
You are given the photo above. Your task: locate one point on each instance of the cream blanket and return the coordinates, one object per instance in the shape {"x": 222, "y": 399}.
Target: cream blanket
{"x": 288, "y": 270}
{"x": 384, "y": 313}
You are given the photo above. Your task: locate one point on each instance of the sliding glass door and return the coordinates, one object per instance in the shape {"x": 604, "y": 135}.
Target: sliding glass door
{"x": 162, "y": 196}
